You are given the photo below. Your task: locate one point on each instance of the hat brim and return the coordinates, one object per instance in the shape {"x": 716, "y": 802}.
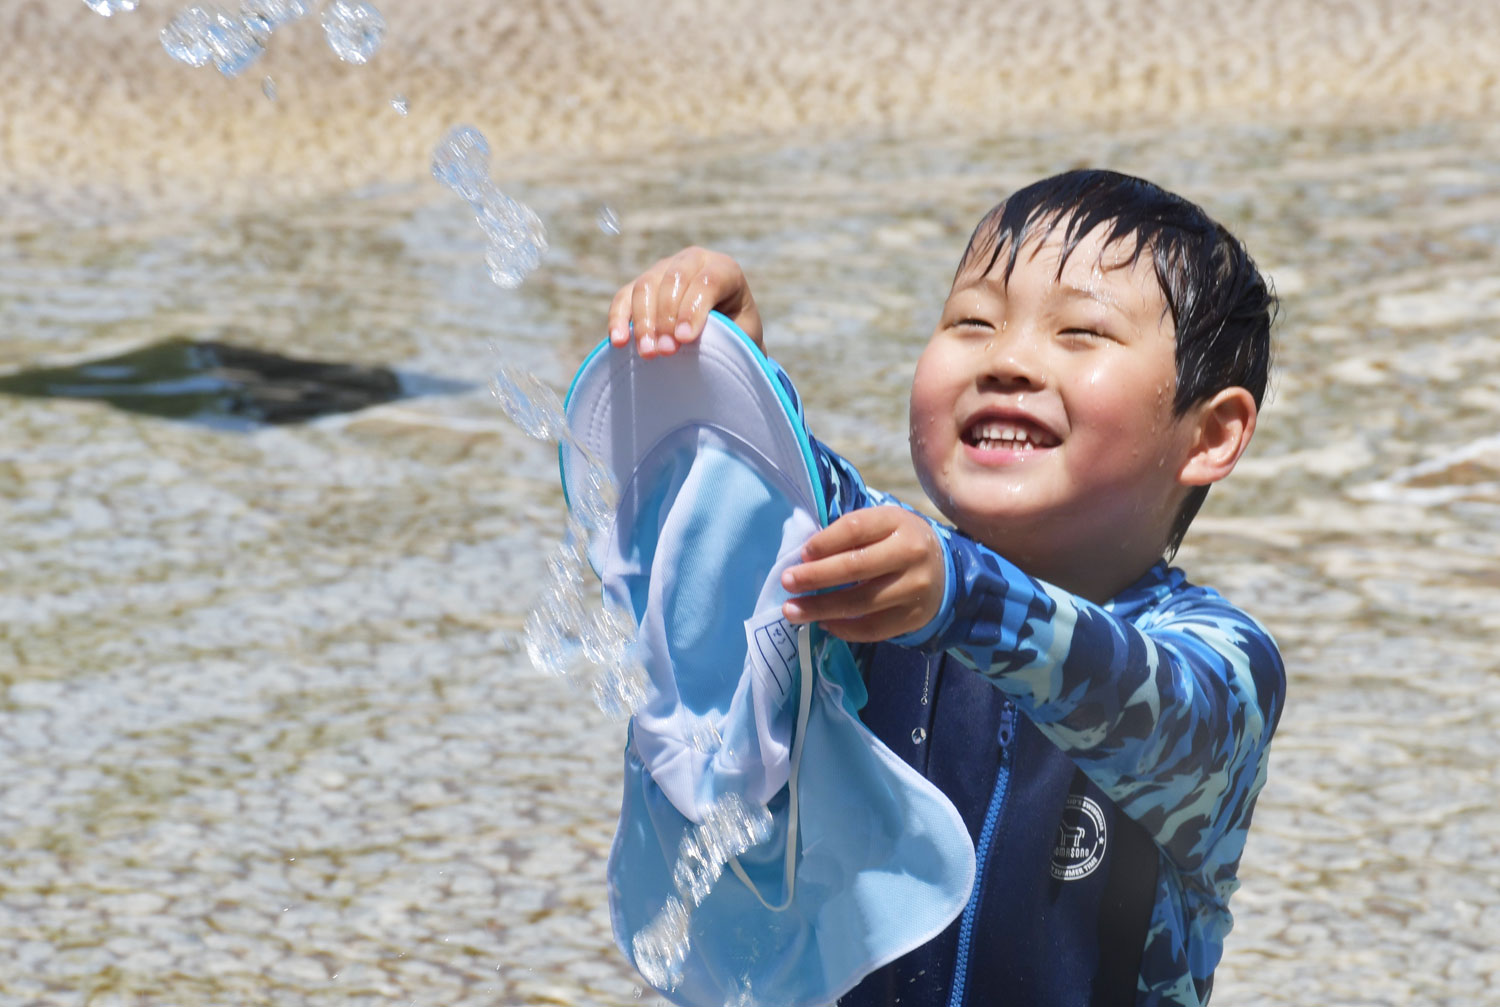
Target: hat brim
{"x": 711, "y": 382}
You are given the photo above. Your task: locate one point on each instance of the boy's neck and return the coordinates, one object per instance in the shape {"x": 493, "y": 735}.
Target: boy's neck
{"x": 1092, "y": 577}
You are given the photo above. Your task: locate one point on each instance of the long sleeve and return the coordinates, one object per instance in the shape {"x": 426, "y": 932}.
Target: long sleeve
{"x": 1167, "y": 696}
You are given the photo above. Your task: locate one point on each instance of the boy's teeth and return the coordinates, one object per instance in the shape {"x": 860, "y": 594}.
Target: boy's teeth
{"x": 995, "y": 434}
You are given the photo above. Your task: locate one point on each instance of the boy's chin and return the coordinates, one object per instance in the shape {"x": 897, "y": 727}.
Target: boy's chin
{"x": 1007, "y": 534}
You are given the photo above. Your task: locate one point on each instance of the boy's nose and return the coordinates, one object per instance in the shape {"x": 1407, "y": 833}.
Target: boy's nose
{"x": 1012, "y": 368}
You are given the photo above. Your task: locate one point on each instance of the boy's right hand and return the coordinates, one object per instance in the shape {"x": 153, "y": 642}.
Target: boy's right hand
{"x": 668, "y": 304}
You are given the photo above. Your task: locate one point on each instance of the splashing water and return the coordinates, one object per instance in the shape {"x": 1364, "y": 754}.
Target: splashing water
{"x": 354, "y": 30}
{"x": 530, "y": 404}
{"x": 461, "y": 161}
{"x": 729, "y": 828}
{"x": 661, "y": 947}
{"x": 398, "y": 102}
{"x": 268, "y": 88}
{"x": 592, "y": 498}
{"x": 516, "y": 238}
{"x": 620, "y": 689}
{"x": 608, "y": 220}
{"x": 109, "y": 8}
{"x": 201, "y": 35}
{"x": 184, "y": 37}
{"x": 607, "y": 634}
{"x": 552, "y": 630}
{"x": 565, "y": 563}
{"x": 742, "y": 997}
{"x": 560, "y": 632}
{"x": 265, "y": 16}
{"x": 703, "y": 735}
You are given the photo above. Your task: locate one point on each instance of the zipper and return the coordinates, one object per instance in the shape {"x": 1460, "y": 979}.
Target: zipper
{"x": 986, "y": 836}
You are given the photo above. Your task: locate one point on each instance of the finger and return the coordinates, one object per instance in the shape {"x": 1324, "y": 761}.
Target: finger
{"x": 642, "y": 301}
{"x": 717, "y": 279}
{"x": 867, "y": 554}
{"x": 685, "y": 268}
{"x": 851, "y": 531}
{"x": 698, "y": 302}
{"x": 852, "y": 602}
{"x": 619, "y": 317}
{"x": 874, "y": 627}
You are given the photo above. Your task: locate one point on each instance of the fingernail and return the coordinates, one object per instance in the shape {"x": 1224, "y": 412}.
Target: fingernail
{"x": 647, "y": 345}
{"x": 684, "y": 332}
{"x": 666, "y": 344}
{"x": 792, "y": 611}
{"x": 788, "y": 581}
{"x": 617, "y": 336}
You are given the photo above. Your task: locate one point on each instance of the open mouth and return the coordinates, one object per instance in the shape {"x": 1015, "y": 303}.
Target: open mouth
{"x": 1007, "y": 435}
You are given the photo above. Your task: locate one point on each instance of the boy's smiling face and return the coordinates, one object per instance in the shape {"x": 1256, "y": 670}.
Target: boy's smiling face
{"x": 1042, "y": 412}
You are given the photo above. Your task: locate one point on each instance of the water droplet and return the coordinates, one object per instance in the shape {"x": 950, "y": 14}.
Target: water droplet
{"x": 609, "y": 220}
{"x": 703, "y": 735}
{"x": 399, "y": 104}
{"x": 504, "y": 270}
{"x": 606, "y": 635}
{"x": 591, "y": 499}
{"x": 461, "y": 161}
{"x": 184, "y": 37}
{"x": 517, "y": 238}
{"x": 551, "y": 633}
{"x": 530, "y": 404}
{"x": 729, "y": 828}
{"x": 620, "y": 690}
{"x": 354, "y": 30}
{"x": 565, "y": 565}
{"x": 268, "y": 88}
{"x": 265, "y": 16}
{"x": 200, "y": 35}
{"x": 661, "y": 947}
{"x": 637, "y": 992}
{"x": 109, "y": 8}
{"x": 918, "y": 735}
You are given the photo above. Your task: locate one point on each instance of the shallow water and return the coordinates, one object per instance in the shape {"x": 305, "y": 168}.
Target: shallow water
{"x": 266, "y": 731}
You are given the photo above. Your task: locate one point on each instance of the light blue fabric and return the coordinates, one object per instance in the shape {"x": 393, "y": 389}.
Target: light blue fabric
{"x": 716, "y": 500}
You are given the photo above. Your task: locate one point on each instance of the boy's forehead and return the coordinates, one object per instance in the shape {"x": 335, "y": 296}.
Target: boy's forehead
{"x": 1096, "y": 257}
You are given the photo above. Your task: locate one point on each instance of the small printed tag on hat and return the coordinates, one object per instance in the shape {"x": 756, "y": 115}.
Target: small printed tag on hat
{"x": 773, "y": 648}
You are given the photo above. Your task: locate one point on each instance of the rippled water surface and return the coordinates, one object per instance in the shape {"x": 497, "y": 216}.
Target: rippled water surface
{"x": 266, "y": 733}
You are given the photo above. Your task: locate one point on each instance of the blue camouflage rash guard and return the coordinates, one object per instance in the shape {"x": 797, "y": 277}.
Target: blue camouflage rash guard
{"x": 1166, "y": 697}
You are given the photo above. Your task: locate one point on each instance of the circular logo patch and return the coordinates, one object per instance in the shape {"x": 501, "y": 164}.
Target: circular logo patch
{"x": 1080, "y": 839}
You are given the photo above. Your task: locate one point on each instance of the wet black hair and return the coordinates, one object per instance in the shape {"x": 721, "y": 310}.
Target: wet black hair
{"x": 1221, "y": 306}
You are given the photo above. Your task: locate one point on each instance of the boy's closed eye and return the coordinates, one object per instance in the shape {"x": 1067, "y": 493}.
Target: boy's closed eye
{"x": 1088, "y": 334}
{"x": 975, "y": 323}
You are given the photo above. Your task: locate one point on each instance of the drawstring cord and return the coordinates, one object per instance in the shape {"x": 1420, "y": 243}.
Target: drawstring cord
{"x": 804, "y": 707}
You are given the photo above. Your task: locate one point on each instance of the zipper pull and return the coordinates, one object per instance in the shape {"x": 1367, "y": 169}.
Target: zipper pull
{"x": 1007, "y": 724}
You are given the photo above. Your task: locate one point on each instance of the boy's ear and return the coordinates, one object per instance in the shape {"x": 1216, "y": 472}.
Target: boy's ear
{"x": 1223, "y": 428}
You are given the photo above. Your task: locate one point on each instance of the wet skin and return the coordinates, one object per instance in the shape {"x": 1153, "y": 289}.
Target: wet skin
{"x": 1041, "y": 413}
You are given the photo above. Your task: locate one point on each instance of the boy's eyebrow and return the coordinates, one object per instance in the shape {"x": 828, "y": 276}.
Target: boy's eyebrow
{"x": 1074, "y": 292}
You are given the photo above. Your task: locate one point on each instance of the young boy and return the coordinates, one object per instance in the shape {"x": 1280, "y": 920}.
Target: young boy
{"x": 1101, "y": 724}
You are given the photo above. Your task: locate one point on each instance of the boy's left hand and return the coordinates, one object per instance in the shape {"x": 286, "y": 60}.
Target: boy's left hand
{"x": 887, "y": 565}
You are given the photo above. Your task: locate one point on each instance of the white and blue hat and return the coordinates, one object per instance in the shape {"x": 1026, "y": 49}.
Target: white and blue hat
{"x": 865, "y": 859}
